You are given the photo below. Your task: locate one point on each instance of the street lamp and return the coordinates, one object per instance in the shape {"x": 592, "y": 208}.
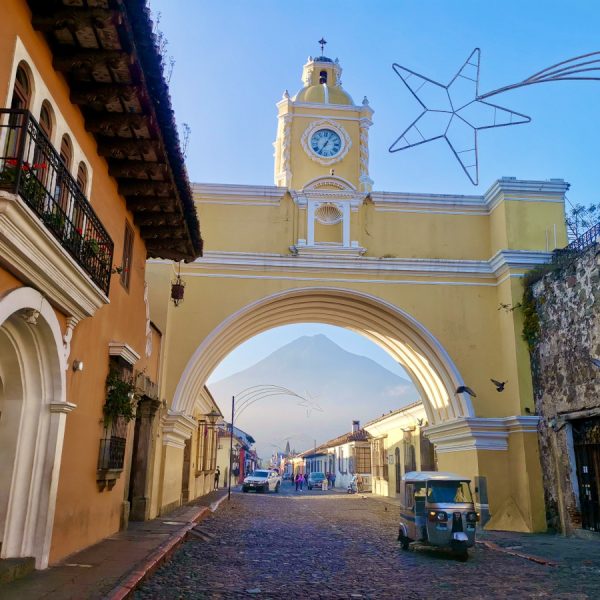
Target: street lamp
{"x": 248, "y": 397}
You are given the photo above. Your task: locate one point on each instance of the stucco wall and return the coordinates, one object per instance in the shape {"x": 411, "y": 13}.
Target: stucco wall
{"x": 566, "y": 383}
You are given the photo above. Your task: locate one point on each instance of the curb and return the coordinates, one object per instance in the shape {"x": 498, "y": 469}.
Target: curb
{"x": 156, "y": 558}
{"x": 532, "y": 558}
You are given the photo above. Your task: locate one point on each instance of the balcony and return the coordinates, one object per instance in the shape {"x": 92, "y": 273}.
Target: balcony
{"x": 31, "y": 168}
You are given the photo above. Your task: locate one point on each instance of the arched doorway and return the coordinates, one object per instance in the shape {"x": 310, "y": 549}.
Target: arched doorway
{"x": 33, "y": 408}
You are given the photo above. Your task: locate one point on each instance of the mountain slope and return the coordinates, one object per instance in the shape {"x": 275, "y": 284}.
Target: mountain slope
{"x": 345, "y": 386}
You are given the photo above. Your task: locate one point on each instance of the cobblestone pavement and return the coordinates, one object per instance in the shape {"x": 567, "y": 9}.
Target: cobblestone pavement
{"x": 331, "y": 545}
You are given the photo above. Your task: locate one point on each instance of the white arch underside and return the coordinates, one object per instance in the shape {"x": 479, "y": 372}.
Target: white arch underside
{"x": 406, "y": 340}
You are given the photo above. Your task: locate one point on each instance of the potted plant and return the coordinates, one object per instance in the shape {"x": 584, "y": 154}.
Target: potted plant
{"x": 121, "y": 397}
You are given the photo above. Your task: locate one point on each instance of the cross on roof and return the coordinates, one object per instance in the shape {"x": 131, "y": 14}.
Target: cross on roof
{"x": 322, "y": 41}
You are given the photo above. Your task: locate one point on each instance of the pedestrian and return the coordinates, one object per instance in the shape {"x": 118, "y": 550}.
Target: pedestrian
{"x": 297, "y": 480}
{"x": 301, "y": 480}
{"x": 305, "y": 480}
{"x": 333, "y": 479}
{"x": 217, "y": 475}
{"x": 328, "y": 477}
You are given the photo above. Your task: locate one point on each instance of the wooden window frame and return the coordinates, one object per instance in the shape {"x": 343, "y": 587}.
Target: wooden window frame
{"x": 127, "y": 260}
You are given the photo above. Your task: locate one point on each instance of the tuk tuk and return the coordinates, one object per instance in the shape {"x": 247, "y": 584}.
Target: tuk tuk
{"x": 437, "y": 509}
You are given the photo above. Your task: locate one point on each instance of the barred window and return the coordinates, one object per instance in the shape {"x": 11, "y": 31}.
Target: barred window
{"x": 127, "y": 256}
{"x": 362, "y": 459}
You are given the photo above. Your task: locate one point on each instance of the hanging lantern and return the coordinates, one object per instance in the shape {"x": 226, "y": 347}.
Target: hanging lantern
{"x": 177, "y": 288}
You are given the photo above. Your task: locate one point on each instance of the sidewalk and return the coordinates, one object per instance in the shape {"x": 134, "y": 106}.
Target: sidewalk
{"x": 111, "y": 568}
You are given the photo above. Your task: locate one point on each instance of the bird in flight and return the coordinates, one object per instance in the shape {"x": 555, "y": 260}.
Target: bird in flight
{"x": 454, "y": 112}
{"x": 499, "y": 384}
{"x": 461, "y": 389}
{"x": 595, "y": 362}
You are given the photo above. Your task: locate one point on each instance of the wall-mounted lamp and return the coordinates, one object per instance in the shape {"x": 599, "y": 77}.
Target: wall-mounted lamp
{"x": 212, "y": 416}
{"x": 77, "y": 365}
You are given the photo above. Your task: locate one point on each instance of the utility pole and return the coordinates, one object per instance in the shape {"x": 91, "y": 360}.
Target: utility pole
{"x": 230, "y": 448}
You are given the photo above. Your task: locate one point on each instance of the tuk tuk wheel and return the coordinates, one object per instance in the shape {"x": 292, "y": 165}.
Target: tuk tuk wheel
{"x": 404, "y": 541}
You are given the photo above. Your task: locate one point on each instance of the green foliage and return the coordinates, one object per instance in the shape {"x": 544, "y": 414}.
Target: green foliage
{"x": 120, "y": 397}
{"x": 531, "y": 320}
{"x": 580, "y": 218}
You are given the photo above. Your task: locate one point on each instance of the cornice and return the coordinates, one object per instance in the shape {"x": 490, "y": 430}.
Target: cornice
{"x": 34, "y": 255}
{"x": 124, "y": 351}
{"x": 177, "y": 428}
{"x": 251, "y": 195}
{"x": 498, "y": 265}
{"x": 479, "y": 433}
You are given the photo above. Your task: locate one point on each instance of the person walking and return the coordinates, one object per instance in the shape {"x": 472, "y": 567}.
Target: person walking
{"x": 333, "y": 479}
{"x": 305, "y": 480}
{"x": 217, "y": 476}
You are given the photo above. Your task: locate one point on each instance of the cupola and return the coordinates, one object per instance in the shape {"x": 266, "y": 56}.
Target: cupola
{"x": 321, "y": 77}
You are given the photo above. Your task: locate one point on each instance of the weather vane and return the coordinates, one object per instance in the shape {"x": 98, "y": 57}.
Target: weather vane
{"x": 457, "y": 111}
{"x": 322, "y": 41}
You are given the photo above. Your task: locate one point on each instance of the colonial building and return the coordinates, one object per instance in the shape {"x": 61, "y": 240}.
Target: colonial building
{"x": 422, "y": 275}
{"x": 92, "y": 183}
{"x": 563, "y": 318}
{"x": 243, "y": 456}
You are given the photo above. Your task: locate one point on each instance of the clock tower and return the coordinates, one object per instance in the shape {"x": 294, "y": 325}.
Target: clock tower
{"x": 322, "y": 156}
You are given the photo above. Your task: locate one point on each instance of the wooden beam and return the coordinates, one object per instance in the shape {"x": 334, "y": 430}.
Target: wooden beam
{"x": 164, "y": 232}
{"x": 90, "y": 59}
{"x": 138, "y": 169}
{"x": 158, "y": 219}
{"x": 122, "y": 148}
{"x": 134, "y": 187}
{"x": 113, "y": 122}
{"x": 75, "y": 18}
{"x": 90, "y": 94}
{"x": 151, "y": 204}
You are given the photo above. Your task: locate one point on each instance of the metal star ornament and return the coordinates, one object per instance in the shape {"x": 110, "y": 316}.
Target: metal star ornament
{"x": 453, "y": 112}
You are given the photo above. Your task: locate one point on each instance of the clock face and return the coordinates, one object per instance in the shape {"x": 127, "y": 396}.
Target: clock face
{"x": 325, "y": 142}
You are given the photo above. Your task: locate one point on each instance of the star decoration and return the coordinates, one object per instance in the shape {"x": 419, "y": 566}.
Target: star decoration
{"x": 453, "y": 112}
{"x": 310, "y": 404}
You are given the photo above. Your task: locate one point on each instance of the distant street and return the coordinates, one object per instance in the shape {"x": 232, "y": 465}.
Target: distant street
{"x": 315, "y": 544}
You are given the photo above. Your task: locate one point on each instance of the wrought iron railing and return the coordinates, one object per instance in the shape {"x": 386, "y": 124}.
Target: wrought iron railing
{"x": 112, "y": 446}
{"x": 586, "y": 240}
{"x": 32, "y": 168}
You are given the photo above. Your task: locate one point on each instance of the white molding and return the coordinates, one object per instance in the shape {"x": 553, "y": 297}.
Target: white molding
{"x": 177, "y": 427}
{"x": 330, "y": 107}
{"x": 479, "y": 433}
{"x": 41, "y": 387}
{"x": 34, "y": 255}
{"x": 347, "y": 261}
{"x": 124, "y": 351}
{"x": 329, "y": 123}
{"x": 249, "y": 195}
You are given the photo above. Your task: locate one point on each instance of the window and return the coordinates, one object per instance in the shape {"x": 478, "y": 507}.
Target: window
{"x": 380, "y": 467}
{"x": 341, "y": 461}
{"x": 323, "y": 77}
{"x": 22, "y": 90}
{"x": 47, "y": 119}
{"x": 66, "y": 151}
{"x": 362, "y": 459}
{"x": 82, "y": 177}
{"x": 127, "y": 256}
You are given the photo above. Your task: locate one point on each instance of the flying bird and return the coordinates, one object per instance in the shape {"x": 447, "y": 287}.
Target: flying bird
{"x": 499, "y": 384}
{"x": 420, "y": 422}
{"x": 461, "y": 389}
{"x": 595, "y": 362}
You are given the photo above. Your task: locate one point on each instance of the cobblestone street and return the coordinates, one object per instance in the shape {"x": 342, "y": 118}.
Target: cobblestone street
{"x": 331, "y": 545}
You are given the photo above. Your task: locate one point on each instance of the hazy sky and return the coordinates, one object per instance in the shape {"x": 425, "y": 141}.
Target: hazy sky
{"x": 233, "y": 60}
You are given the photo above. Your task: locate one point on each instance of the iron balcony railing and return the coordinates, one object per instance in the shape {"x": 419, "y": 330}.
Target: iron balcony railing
{"x": 32, "y": 168}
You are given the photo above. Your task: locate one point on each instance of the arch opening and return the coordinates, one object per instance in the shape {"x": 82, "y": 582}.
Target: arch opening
{"x": 401, "y": 336}
{"x": 32, "y": 401}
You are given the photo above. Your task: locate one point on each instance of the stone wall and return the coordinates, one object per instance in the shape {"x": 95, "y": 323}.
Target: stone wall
{"x": 566, "y": 383}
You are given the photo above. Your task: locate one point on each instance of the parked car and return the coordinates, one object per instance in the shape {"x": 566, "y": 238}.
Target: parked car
{"x": 316, "y": 479}
{"x": 262, "y": 481}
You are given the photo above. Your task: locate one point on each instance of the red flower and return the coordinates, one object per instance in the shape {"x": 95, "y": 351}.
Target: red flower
{"x": 11, "y": 162}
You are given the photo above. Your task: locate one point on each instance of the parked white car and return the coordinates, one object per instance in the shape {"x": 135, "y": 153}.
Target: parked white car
{"x": 262, "y": 481}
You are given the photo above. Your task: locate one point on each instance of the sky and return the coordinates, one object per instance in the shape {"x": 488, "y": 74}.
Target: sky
{"x": 233, "y": 60}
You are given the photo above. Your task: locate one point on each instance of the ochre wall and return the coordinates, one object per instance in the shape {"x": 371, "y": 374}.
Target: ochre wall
{"x": 83, "y": 514}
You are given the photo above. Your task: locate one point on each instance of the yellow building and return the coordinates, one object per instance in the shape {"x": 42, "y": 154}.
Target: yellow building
{"x": 80, "y": 131}
{"x": 421, "y": 275}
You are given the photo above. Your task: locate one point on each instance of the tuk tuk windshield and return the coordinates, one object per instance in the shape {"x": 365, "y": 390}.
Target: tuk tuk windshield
{"x": 448, "y": 492}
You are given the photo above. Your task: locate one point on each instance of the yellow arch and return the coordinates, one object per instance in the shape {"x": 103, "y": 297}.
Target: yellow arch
{"x": 405, "y": 339}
